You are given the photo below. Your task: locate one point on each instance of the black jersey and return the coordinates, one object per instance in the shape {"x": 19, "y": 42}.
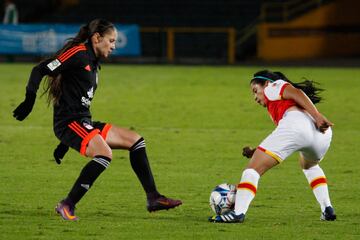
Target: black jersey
{"x": 78, "y": 68}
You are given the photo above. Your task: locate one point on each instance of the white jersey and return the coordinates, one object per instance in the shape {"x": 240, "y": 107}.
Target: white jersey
{"x": 296, "y": 131}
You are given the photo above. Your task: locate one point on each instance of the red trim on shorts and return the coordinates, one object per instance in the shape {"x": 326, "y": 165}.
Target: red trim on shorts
{"x": 87, "y": 139}
{"x": 261, "y": 149}
{"x": 76, "y": 127}
{"x": 105, "y": 130}
{"x": 271, "y": 154}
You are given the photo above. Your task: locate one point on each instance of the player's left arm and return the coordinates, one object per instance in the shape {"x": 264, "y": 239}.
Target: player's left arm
{"x": 290, "y": 92}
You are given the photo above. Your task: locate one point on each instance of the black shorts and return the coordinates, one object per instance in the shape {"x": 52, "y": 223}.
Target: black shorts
{"x": 77, "y": 134}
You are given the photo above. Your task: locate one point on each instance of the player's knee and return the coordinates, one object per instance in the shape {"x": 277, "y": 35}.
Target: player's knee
{"x": 101, "y": 150}
{"x": 137, "y": 144}
{"x": 135, "y": 138}
{"x": 261, "y": 162}
{"x": 306, "y": 164}
{"x": 107, "y": 153}
{"x": 98, "y": 146}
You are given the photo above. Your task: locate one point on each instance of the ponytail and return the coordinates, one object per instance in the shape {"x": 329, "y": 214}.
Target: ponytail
{"x": 81, "y": 37}
{"x": 307, "y": 86}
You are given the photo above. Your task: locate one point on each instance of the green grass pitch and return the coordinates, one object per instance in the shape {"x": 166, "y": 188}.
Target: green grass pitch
{"x": 195, "y": 120}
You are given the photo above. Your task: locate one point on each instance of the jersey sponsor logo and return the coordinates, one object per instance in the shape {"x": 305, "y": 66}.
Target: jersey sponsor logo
{"x": 87, "y": 68}
{"x": 86, "y": 101}
{"x": 90, "y": 93}
{"x": 54, "y": 65}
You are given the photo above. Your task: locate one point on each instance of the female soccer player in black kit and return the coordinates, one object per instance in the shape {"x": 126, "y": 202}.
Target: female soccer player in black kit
{"x": 72, "y": 76}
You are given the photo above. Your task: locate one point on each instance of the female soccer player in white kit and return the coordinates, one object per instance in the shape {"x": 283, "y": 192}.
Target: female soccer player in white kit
{"x": 300, "y": 127}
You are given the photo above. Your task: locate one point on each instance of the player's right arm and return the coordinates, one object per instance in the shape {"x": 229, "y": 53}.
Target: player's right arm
{"x": 50, "y": 67}
{"x": 304, "y": 102}
{"x": 24, "y": 108}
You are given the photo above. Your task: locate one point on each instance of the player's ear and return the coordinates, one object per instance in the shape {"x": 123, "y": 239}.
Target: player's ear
{"x": 96, "y": 38}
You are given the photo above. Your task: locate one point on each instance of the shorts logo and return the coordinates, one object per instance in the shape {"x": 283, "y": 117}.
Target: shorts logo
{"x": 54, "y": 64}
{"x": 88, "y": 126}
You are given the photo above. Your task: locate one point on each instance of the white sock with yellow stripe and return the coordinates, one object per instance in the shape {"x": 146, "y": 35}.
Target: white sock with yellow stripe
{"x": 318, "y": 183}
{"x": 246, "y": 190}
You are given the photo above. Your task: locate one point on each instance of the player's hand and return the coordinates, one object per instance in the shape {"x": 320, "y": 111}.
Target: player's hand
{"x": 24, "y": 108}
{"x": 322, "y": 123}
{"x": 60, "y": 152}
{"x": 248, "y": 151}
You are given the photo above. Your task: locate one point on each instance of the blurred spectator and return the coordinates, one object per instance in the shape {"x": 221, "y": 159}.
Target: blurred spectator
{"x": 11, "y": 13}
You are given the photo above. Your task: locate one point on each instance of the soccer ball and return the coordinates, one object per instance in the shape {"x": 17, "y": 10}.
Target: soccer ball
{"x": 222, "y": 198}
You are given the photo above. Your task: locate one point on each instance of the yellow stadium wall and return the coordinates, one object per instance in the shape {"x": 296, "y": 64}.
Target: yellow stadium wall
{"x": 329, "y": 31}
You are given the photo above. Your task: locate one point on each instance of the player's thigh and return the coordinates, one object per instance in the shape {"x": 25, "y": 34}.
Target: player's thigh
{"x": 306, "y": 164}
{"x": 283, "y": 141}
{"x": 320, "y": 145}
{"x": 98, "y": 146}
{"x": 261, "y": 162}
{"x": 121, "y": 138}
{"x": 79, "y": 135}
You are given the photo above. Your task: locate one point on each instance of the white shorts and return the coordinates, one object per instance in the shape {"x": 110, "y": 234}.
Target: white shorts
{"x": 297, "y": 132}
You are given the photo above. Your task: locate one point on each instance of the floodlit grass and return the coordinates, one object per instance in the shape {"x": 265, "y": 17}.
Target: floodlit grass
{"x": 195, "y": 121}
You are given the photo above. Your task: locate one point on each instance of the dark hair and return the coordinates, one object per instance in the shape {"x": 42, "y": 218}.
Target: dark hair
{"x": 53, "y": 83}
{"x": 307, "y": 86}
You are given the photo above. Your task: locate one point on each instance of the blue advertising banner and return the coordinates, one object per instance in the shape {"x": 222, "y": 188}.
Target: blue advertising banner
{"x": 45, "y": 39}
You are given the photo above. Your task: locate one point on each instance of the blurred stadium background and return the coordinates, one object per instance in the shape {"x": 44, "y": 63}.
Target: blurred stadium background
{"x": 205, "y": 31}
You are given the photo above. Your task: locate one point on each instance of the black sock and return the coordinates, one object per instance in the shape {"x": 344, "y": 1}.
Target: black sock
{"x": 87, "y": 177}
{"x": 140, "y": 165}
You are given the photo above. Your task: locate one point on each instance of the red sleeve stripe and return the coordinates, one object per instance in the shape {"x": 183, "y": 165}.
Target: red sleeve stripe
{"x": 317, "y": 182}
{"x": 70, "y": 52}
{"x": 247, "y": 186}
